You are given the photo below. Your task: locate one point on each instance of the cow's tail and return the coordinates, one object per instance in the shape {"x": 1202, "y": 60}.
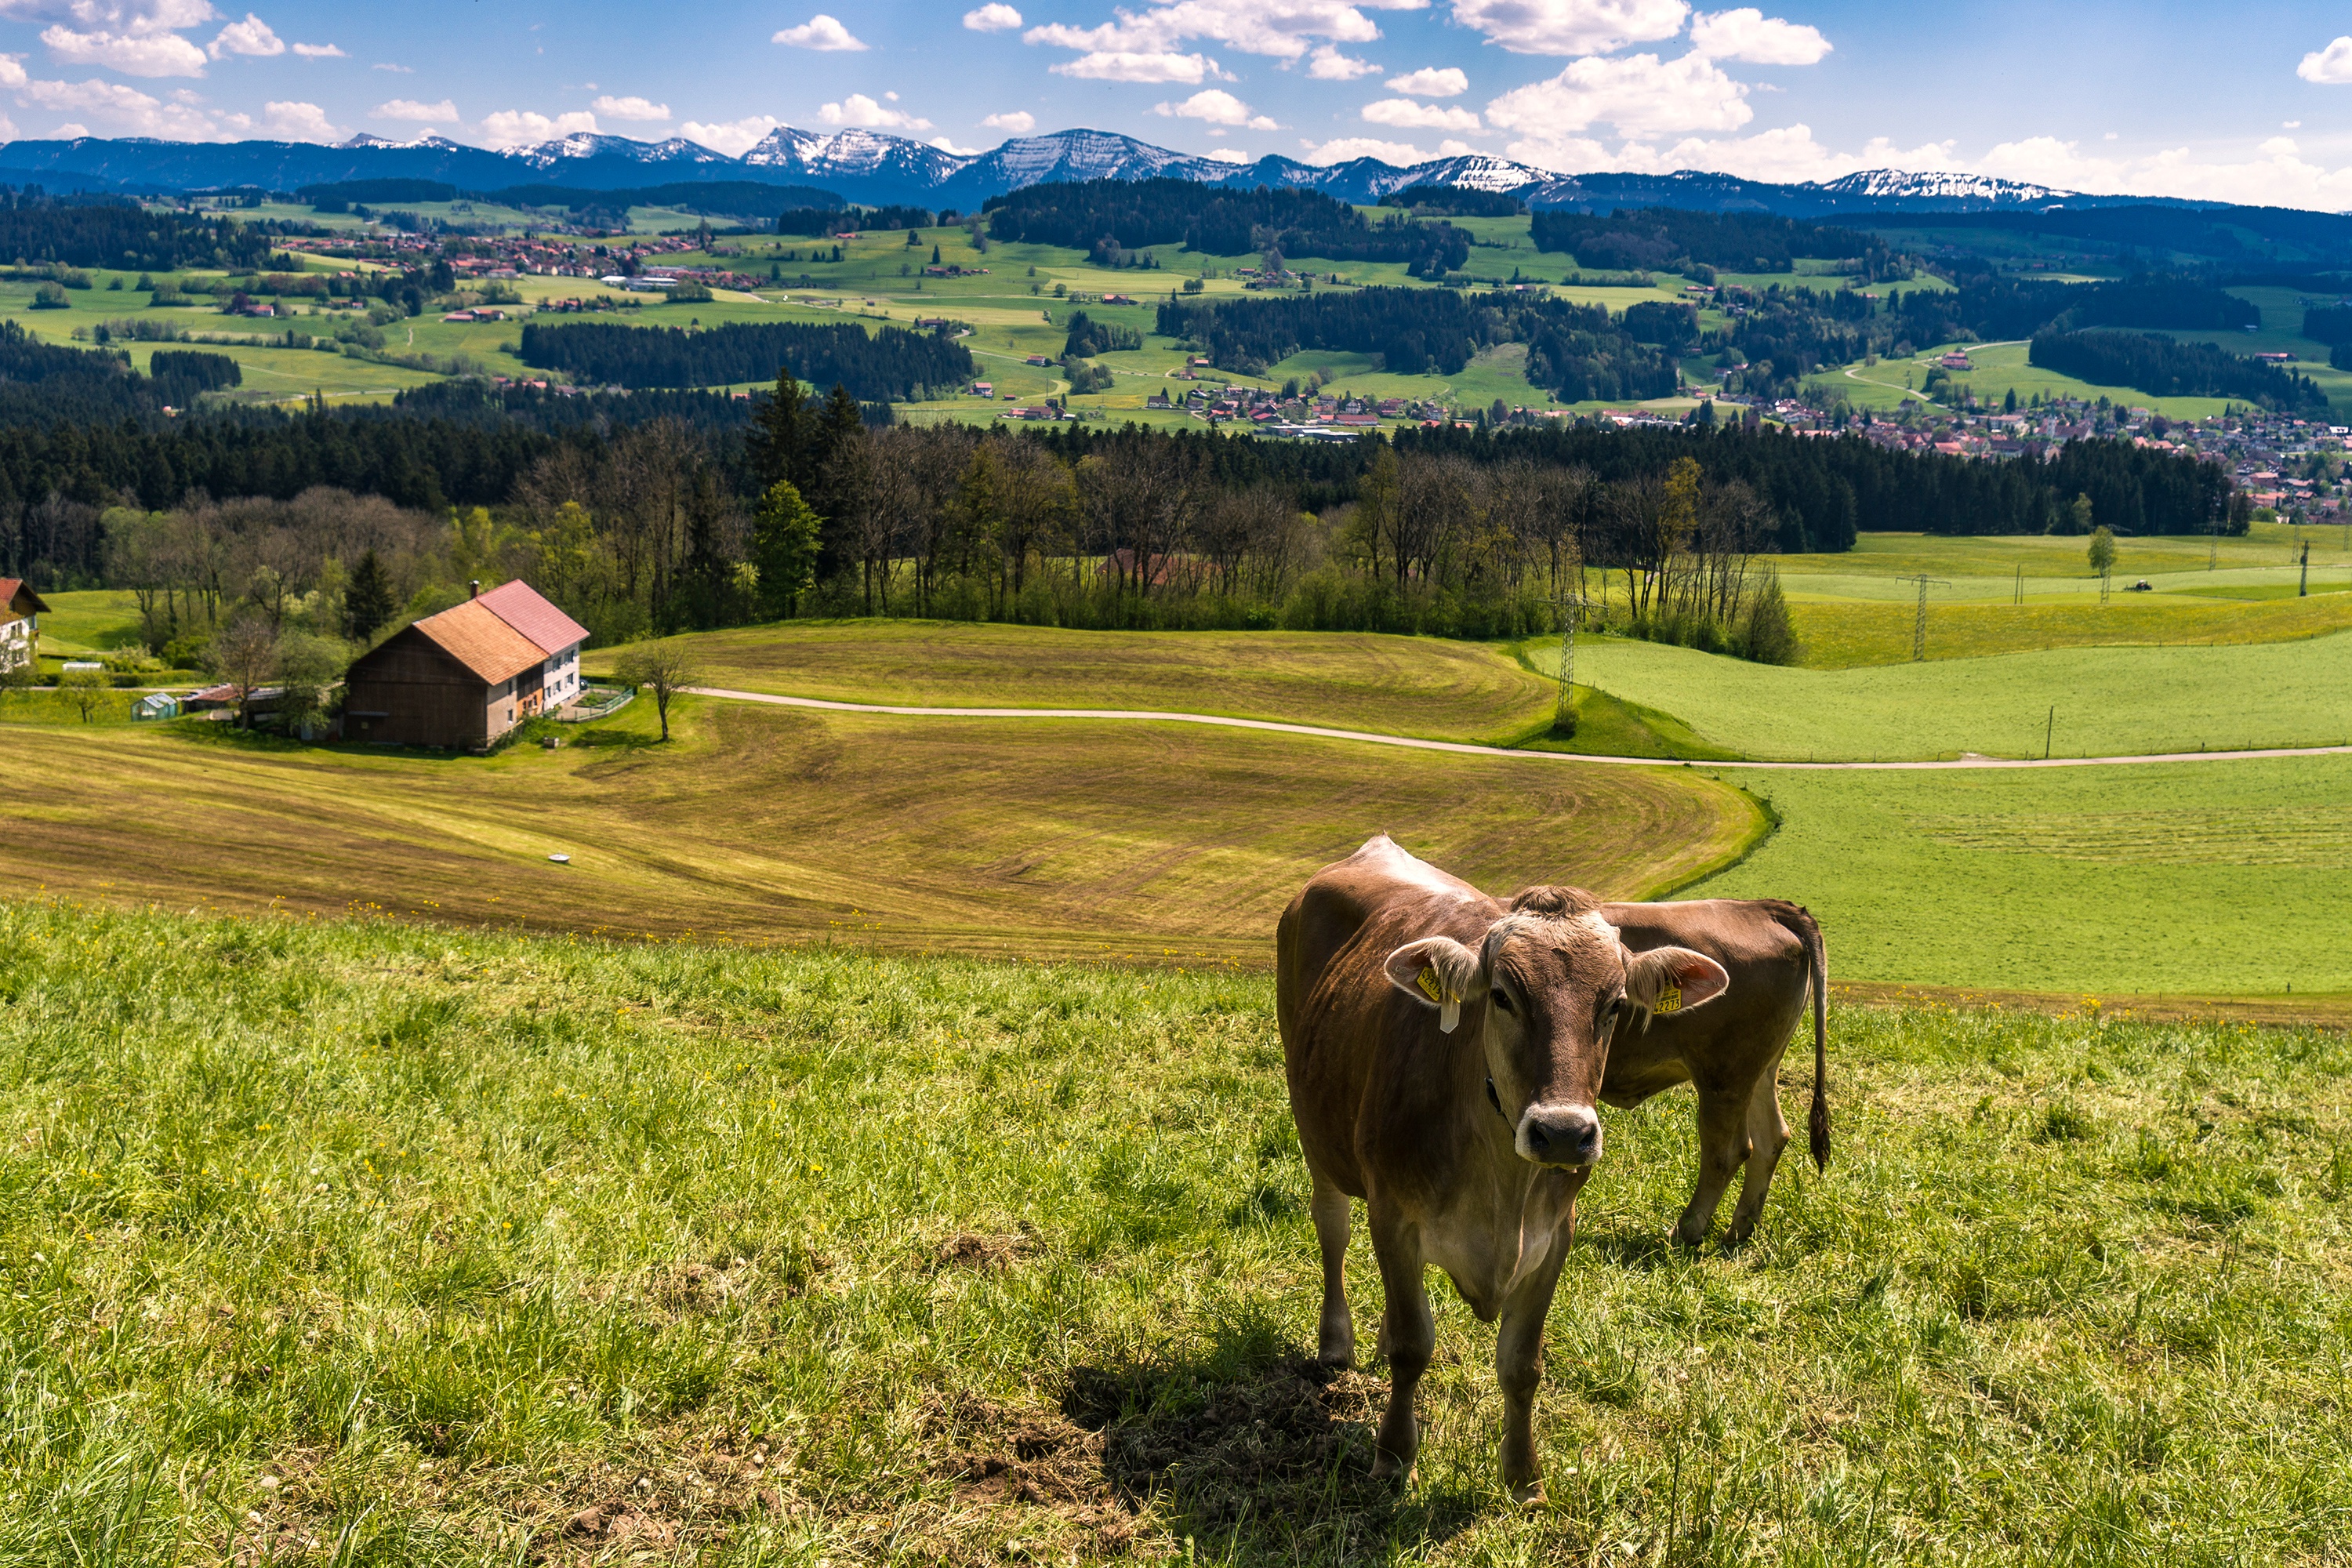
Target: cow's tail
{"x": 1809, "y": 932}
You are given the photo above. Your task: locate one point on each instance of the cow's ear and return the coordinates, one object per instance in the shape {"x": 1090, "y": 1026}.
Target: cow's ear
{"x": 1438, "y": 972}
{"x": 1672, "y": 980}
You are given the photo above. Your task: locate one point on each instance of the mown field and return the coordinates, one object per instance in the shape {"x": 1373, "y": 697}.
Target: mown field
{"x": 2108, "y": 702}
{"x": 1133, "y": 841}
{"x": 354, "y": 1243}
{"x": 1391, "y": 684}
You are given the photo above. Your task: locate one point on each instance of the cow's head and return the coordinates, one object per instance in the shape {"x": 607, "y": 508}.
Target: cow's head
{"x": 1549, "y": 988}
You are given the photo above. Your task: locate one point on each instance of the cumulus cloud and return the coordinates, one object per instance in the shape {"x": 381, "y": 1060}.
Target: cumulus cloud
{"x": 1343, "y": 149}
{"x": 286, "y": 122}
{"x": 1122, "y": 65}
{"x": 12, "y": 71}
{"x": 2331, "y": 66}
{"x": 410, "y": 109}
{"x": 1327, "y": 64}
{"x": 250, "y": 37}
{"x": 994, "y": 17}
{"x": 1218, "y": 108}
{"x": 1011, "y": 122}
{"x": 524, "y": 128}
{"x": 1639, "y": 94}
{"x": 1429, "y": 82}
{"x": 1404, "y": 114}
{"x": 1747, "y": 34}
{"x": 1228, "y": 155}
{"x": 631, "y": 108}
{"x": 119, "y": 109}
{"x": 396, "y": 69}
{"x": 1571, "y": 27}
{"x": 1286, "y": 30}
{"x": 947, "y": 145}
{"x": 133, "y": 54}
{"x": 732, "y": 137}
{"x": 820, "y": 31}
{"x": 322, "y": 52}
{"x": 859, "y": 110}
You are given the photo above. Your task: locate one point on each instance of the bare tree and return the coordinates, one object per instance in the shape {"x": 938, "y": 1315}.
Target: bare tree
{"x": 664, "y": 669}
{"x": 245, "y": 656}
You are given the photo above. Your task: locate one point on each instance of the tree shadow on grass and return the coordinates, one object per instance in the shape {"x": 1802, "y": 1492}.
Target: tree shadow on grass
{"x": 1263, "y": 1457}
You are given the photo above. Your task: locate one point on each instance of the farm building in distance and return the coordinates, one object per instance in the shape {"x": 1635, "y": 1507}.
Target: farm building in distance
{"x": 466, "y": 676}
{"x": 20, "y": 623}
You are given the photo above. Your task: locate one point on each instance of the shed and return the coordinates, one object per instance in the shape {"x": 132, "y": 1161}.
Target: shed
{"x": 466, "y": 676}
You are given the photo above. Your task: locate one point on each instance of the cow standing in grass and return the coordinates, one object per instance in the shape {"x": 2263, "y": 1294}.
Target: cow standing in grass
{"x": 1446, "y": 1056}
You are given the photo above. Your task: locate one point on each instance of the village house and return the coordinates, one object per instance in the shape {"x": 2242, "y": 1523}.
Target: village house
{"x": 466, "y": 676}
{"x": 20, "y": 623}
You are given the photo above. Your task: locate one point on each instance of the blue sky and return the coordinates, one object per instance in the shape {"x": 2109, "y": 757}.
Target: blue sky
{"x": 2161, "y": 98}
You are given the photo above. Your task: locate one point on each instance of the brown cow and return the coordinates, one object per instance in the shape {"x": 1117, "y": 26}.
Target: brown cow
{"x": 1468, "y": 1145}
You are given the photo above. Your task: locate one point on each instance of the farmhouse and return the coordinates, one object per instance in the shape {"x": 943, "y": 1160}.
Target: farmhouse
{"x": 20, "y": 623}
{"x": 468, "y": 675}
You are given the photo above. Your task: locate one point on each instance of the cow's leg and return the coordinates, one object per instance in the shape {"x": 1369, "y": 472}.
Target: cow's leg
{"x": 1518, "y": 1367}
{"x": 1408, "y": 1337}
{"x": 1767, "y": 1134}
{"x": 1335, "y": 1338}
{"x": 1722, "y": 1147}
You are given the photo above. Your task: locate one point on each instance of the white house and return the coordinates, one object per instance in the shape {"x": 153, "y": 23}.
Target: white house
{"x": 553, "y": 633}
{"x": 20, "y": 623}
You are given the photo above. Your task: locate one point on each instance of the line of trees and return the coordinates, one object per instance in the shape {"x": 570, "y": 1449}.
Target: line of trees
{"x": 889, "y": 365}
{"x": 2166, "y": 367}
{"x": 100, "y": 231}
{"x": 1217, "y": 221}
{"x": 1665, "y": 239}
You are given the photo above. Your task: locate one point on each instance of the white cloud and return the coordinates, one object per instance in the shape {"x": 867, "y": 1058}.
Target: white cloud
{"x": 525, "y": 128}
{"x": 123, "y": 110}
{"x": 1121, "y": 65}
{"x": 860, "y": 111}
{"x": 947, "y": 145}
{"x": 133, "y": 54}
{"x": 1229, "y": 155}
{"x": 1327, "y": 64}
{"x": 1218, "y": 108}
{"x": 2331, "y": 66}
{"x": 115, "y": 15}
{"x": 1012, "y": 123}
{"x": 250, "y": 37}
{"x": 1404, "y": 114}
{"x": 1747, "y": 34}
{"x": 288, "y": 122}
{"x": 1345, "y": 148}
{"x": 732, "y": 137}
{"x": 322, "y": 52}
{"x": 12, "y": 71}
{"x": 409, "y": 109}
{"x": 1639, "y": 94}
{"x": 1282, "y": 29}
{"x": 1571, "y": 27}
{"x": 992, "y": 18}
{"x": 1429, "y": 82}
{"x": 820, "y": 31}
{"x": 630, "y": 108}
{"x": 396, "y": 71}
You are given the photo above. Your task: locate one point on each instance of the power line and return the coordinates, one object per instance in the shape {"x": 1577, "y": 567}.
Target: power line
{"x": 1920, "y": 625}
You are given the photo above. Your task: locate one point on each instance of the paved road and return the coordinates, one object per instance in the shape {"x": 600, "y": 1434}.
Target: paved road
{"x": 1367, "y": 737}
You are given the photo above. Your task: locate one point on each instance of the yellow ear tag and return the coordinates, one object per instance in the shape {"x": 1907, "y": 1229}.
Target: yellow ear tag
{"x": 1429, "y": 987}
{"x": 1670, "y": 1000}
{"x": 1449, "y": 1008}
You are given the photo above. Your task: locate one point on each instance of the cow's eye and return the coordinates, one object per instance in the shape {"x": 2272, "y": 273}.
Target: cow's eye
{"x": 1503, "y": 1000}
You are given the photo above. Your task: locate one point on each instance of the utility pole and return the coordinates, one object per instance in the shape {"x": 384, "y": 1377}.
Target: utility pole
{"x": 1920, "y": 625}
{"x": 2019, "y": 596}
{"x": 2048, "y": 728}
{"x": 2303, "y": 583}
{"x": 1570, "y": 608}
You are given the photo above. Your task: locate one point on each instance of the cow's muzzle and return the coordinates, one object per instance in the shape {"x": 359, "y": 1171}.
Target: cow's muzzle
{"x": 1568, "y": 1136}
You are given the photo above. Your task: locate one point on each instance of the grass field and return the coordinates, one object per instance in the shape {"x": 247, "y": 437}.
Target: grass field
{"x": 2109, "y": 701}
{"x": 1844, "y": 635}
{"x": 1391, "y": 684}
{"x": 1999, "y": 368}
{"x": 1135, "y": 841}
{"x": 2213, "y": 879}
{"x": 416, "y": 1247}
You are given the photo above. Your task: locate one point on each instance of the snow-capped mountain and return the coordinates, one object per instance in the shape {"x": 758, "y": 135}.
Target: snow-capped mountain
{"x": 865, "y": 165}
{"x": 583, "y": 144}
{"x": 1885, "y": 187}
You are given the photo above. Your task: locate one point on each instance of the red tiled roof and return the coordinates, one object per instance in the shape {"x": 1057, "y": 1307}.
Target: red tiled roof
{"x": 482, "y": 642}
{"x": 12, "y": 590}
{"x": 521, "y": 607}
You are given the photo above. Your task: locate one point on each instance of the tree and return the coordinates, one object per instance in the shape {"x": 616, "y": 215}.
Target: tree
{"x": 2078, "y": 515}
{"x": 2102, "y": 552}
{"x": 935, "y": 256}
{"x": 784, "y": 540}
{"x": 87, "y": 689}
{"x": 367, "y": 599}
{"x": 779, "y": 438}
{"x": 307, "y": 668}
{"x": 664, "y": 669}
{"x": 246, "y": 656}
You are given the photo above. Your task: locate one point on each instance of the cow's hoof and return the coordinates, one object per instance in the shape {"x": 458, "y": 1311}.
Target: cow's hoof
{"x": 1387, "y": 1466}
{"x": 1529, "y": 1493}
{"x": 1687, "y": 1240}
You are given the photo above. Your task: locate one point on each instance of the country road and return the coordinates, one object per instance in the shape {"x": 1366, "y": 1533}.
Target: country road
{"x": 1372, "y": 737}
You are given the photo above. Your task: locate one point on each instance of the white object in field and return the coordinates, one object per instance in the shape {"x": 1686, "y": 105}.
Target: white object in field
{"x": 561, "y": 859}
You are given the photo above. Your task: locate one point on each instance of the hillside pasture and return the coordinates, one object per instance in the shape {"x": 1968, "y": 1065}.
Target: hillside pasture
{"x": 2109, "y": 701}
{"x": 419, "y": 1246}
{"x": 1136, "y": 841}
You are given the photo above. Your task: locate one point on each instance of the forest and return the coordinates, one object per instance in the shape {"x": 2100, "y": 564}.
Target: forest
{"x": 107, "y": 232}
{"x": 1668, "y": 240}
{"x": 2166, "y": 367}
{"x": 837, "y": 219}
{"x": 1215, "y": 221}
{"x": 892, "y": 364}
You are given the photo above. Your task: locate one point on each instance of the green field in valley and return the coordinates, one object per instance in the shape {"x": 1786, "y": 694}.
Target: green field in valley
{"x": 2109, "y": 701}
{"x": 423, "y": 1247}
